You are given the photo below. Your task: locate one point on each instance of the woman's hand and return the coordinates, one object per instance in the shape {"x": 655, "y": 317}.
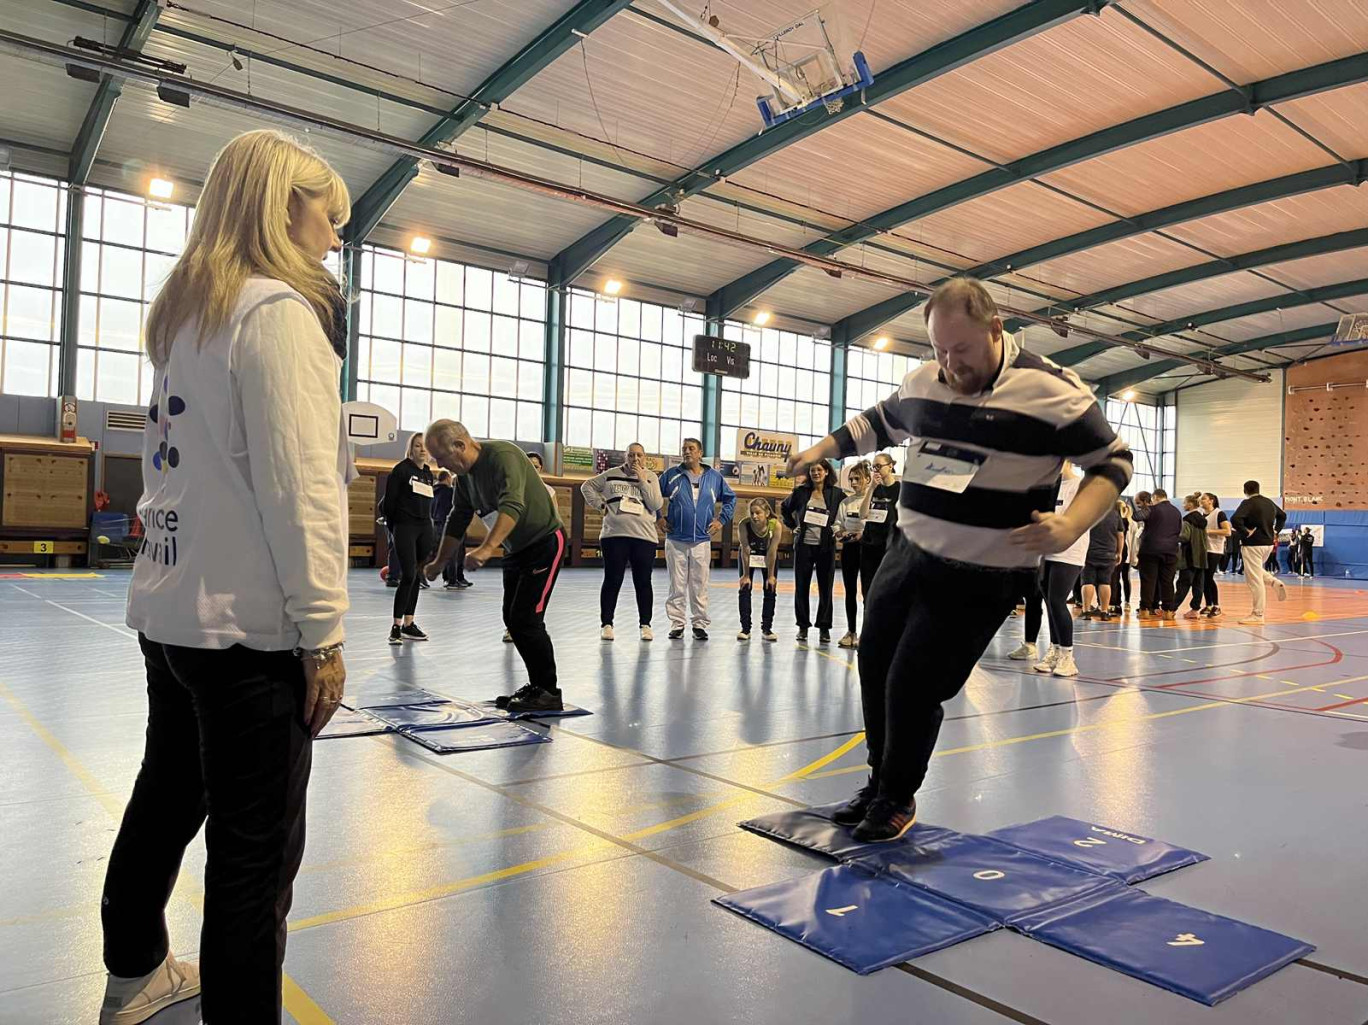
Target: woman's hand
{"x": 323, "y": 683}
{"x": 745, "y": 584}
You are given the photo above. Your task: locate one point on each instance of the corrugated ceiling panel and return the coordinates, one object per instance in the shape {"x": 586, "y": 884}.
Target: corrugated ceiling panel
{"x": 1004, "y": 222}
{"x": 1321, "y": 270}
{"x": 1078, "y": 77}
{"x": 889, "y": 163}
{"x": 493, "y": 215}
{"x": 1191, "y": 164}
{"x": 1336, "y": 119}
{"x": 1211, "y": 294}
{"x": 452, "y": 46}
{"x": 656, "y": 90}
{"x": 1285, "y": 220}
{"x": 1251, "y": 40}
{"x": 694, "y": 265}
{"x": 1116, "y": 263}
{"x": 562, "y": 168}
{"x": 811, "y": 293}
{"x": 1109, "y": 361}
{"x": 905, "y": 27}
{"x": 1290, "y": 319}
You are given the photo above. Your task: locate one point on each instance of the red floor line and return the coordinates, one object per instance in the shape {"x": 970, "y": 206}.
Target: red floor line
{"x": 1339, "y": 656}
{"x": 1214, "y": 665}
{"x": 1342, "y": 704}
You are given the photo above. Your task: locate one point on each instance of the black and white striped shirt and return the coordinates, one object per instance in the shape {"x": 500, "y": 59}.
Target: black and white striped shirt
{"x": 1024, "y": 424}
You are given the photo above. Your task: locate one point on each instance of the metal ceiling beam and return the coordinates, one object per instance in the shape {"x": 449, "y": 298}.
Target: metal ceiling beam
{"x": 1354, "y": 172}
{"x": 1137, "y": 375}
{"x": 1247, "y": 100}
{"x": 83, "y": 150}
{"x": 1336, "y": 243}
{"x": 1014, "y": 26}
{"x": 583, "y": 18}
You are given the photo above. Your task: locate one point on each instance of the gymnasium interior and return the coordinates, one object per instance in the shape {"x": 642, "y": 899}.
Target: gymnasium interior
{"x": 559, "y": 207}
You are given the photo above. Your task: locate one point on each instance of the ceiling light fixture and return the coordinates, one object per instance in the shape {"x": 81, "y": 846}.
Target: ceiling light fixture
{"x": 161, "y": 188}
{"x": 612, "y": 287}
{"x": 1128, "y": 395}
{"x": 420, "y": 245}
{"x": 762, "y": 318}
{"x": 881, "y": 343}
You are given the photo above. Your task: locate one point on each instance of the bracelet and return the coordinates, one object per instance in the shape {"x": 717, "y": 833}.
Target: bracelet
{"x": 317, "y": 655}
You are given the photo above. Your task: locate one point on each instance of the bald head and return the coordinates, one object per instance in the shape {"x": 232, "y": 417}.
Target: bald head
{"x": 450, "y": 444}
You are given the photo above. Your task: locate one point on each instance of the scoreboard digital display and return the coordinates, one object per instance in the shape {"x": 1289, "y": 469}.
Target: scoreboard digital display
{"x": 721, "y": 356}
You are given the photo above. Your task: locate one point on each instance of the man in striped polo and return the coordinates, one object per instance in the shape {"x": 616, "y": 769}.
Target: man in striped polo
{"x": 988, "y": 428}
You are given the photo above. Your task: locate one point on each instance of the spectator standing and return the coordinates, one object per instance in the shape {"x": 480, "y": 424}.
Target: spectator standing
{"x": 692, "y": 493}
{"x": 849, "y": 530}
{"x": 1256, "y": 523}
{"x": 1192, "y": 556}
{"x": 757, "y": 543}
{"x": 629, "y": 498}
{"x": 810, "y": 512}
{"x": 1217, "y": 534}
{"x": 1158, "y": 553}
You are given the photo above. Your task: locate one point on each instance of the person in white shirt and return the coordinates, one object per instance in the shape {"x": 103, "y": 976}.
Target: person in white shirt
{"x": 1059, "y": 571}
{"x": 240, "y": 585}
{"x": 849, "y": 528}
{"x": 629, "y": 498}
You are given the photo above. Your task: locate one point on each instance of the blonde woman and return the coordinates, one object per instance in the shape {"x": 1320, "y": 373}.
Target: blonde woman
{"x": 239, "y": 588}
{"x": 757, "y": 542}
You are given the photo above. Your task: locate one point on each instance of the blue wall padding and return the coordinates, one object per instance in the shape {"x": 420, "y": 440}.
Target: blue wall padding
{"x": 347, "y": 722}
{"x": 426, "y": 717}
{"x": 1129, "y": 857}
{"x": 813, "y": 829}
{"x": 1194, "y": 953}
{"x": 987, "y": 875}
{"x": 493, "y": 711}
{"x": 450, "y": 739}
{"x": 861, "y": 920}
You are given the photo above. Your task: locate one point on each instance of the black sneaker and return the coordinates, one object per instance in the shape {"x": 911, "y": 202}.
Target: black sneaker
{"x": 391, "y": 582}
{"x": 852, "y": 813}
{"x": 463, "y": 584}
{"x": 451, "y": 587}
{"x": 802, "y": 636}
{"x": 700, "y": 634}
{"x": 824, "y": 636}
{"x": 525, "y": 691}
{"x": 537, "y": 700}
{"x": 396, "y": 636}
{"x": 885, "y": 820}
{"x": 412, "y": 633}
{"x": 676, "y": 633}
{"x": 423, "y": 584}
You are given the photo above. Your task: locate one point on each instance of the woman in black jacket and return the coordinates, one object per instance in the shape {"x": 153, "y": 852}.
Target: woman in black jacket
{"x": 408, "y": 511}
{"x": 810, "y": 512}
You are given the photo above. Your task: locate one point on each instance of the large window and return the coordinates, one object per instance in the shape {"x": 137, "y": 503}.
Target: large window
{"x": 870, "y": 378}
{"x": 629, "y": 374}
{"x": 441, "y": 339}
{"x": 789, "y": 388}
{"x": 1148, "y": 430}
{"x": 32, "y": 218}
{"x": 130, "y": 245}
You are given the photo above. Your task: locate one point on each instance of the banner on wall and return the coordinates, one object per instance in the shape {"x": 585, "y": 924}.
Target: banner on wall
{"x": 607, "y": 458}
{"x": 779, "y": 478}
{"x": 577, "y": 460}
{"x": 754, "y": 475}
{"x": 757, "y": 446}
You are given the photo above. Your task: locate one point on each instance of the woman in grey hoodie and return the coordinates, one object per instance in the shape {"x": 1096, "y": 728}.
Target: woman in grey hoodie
{"x": 630, "y": 500}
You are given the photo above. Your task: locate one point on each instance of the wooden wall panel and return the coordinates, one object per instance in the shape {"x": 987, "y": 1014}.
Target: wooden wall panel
{"x": 1326, "y": 443}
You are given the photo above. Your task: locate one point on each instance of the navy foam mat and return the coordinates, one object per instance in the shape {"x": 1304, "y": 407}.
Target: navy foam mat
{"x": 348, "y": 722}
{"x": 857, "y": 918}
{"x": 426, "y": 717}
{"x": 490, "y": 709}
{"x": 985, "y": 874}
{"x": 1129, "y": 857}
{"x": 1060, "y": 880}
{"x": 392, "y": 698}
{"x": 1194, "y": 953}
{"x": 451, "y": 739}
{"x": 813, "y": 829}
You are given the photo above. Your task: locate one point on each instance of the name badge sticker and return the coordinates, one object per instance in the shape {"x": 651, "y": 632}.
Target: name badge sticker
{"x": 420, "y": 487}
{"x": 876, "y": 516}
{"x": 758, "y": 562}
{"x": 630, "y": 506}
{"x": 816, "y": 517}
{"x": 946, "y": 467}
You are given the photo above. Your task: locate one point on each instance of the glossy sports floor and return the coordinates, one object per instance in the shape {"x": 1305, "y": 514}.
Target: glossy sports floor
{"x": 570, "y": 882}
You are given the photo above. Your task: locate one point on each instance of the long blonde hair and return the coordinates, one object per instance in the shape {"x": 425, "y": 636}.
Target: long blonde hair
{"x": 241, "y": 229}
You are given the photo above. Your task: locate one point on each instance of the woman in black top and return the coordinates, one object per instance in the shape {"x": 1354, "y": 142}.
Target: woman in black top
{"x": 880, "y": 517}
{"x": 810, "y": 512}
{"x": 408, "y": 511}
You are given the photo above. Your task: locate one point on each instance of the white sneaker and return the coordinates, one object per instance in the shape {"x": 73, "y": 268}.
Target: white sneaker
{"x": 607, "y": 633}
{"x": 1280, "y": 588}
{"x": 1047, "y": 664}
{"x": 744, "y": 635}
{"x": 770, "y": 635}
{"x": 848, "y": 641}
{"x": 508, "y": 637}
{"x": 1252, "y": 621}
{"x": 646, "y": 634}
{"x": 1065, "y": 666}
{"x": 1026, "y": 653}
{"x": 128, "y": 1001}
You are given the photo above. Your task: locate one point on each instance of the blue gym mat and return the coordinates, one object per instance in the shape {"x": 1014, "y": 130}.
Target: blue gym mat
{"x": 348, "y": 722}
{"x": 493, "y": 711}
{"x": 392, "y": 698}
{"x": 1062, "y": 881}
{"x": 411, "y": 718}
{"x": 450, "y": 739}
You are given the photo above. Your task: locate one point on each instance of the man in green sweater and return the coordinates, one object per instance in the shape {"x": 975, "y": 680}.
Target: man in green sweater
{"x": 497, "y": 481}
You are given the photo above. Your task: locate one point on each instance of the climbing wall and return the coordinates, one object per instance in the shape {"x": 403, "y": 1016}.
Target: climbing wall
{"x": 1326, "y": 435}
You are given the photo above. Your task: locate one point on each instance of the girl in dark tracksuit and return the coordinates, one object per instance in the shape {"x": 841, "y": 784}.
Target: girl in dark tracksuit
{"x": 408, "y": 511}
{"x": 810, "y": 512}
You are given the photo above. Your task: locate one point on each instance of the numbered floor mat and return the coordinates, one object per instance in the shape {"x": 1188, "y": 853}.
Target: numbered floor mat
{"x": 447, "y": 740}
{"x": 347, "y": 722}
{"x": 1129, "y": 857}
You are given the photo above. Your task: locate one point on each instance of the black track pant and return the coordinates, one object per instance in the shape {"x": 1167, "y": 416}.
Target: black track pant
{"x": 1121, "y": 581}
{"x": 618, "y": 554}
{"x": 871, "y": 558}
{"x": 1057, "y": 581}
{"x": 1156, "y": 582}
{"x": 808, "y": 559}
{"x": 851, "y": 554}
{"x": 743, "y": 602}
{"x": 1193, "y": 580}
{"x": 413, "y": 542}
{"x": 528, "y": 580}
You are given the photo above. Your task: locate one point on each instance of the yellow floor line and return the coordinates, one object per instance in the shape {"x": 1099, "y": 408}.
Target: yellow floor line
{"x": 297, "y": 1002}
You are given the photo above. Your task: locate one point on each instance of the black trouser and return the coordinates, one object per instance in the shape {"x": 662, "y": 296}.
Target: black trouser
{"x": 618, "y": 553}
{"x": 927, "y": 622}
{"x": 850, "y": 580}
{"x": 871, "y": 558}
{"x": 225, "y": 735}
{"x": 743, "y": 601}
{"x": 528, "y": 580}
{"x": 1210, "y": 593}
{"x": 1190, "y": 579}
{"x": 1056, "y": 585}
{"x": 1156, "y": 582}
{"x": 1271, "y": 563}
{"x": 806, "y": 559}
{"x": 413, "y": 542}
{"x": 453, "y": 569}
{"x": 1121, "y": 582}
{"x": 1308, "y": 562}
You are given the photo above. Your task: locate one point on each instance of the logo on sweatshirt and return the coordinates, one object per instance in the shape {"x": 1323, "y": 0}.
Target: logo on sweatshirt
{"x": 167, "y": 456}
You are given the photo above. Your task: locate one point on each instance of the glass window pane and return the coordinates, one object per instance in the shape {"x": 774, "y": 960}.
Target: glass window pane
{"x": 629, "y": 318}
{"x": 386, "y": 396}
{"x": 446, "y": 369}
{"x": 529, "y": 380}
{"x": 446, "y": 406}
{"x": 88, "y": 320}
{"x": 533, "y": 303}
{"x": 505, "y": 340}
{"x": 32, "y": 258}
{"x": 123, "y": 221}
{"x": 25, "y": 370}
{"x": 446, "y": 330}
{"x": 166, "y": 229}
{"x": 606, "y": 315}
{"x": 475, "y": 415}
{"x": 628, "y": 394}
{"x": 477, "y": 329}
{"x": 384, "y": 362}
{"x": 503, "y": 419}
{"x": 605, "y": 352}
{"x": 120, "y": 325}
{"x": 529, "y": 421}
{"x": 605, "y": 390}
{"x": 531, "y": 339}
{"x": 581, "y": 310}
{"x": 417, "y": 366}
{"x": 650, "y": 358}
{"x": 35, "y": 206}
{"x": 581, "y": 348}
{"x": 650, "y": 322}
{"x": 85, "y": 374}
{"x": 479, "y": 288}
{"x": 388, "y": 273}
{"x": 415, "y": 409}
{"x": 578, "y": 425}
{"x": 420, "y": 278}
{"x": 648, "y": 433}
{"x": 503, "y": 377}
{"x": 475, "y": 374}
{"x": 387, "y": 316}
{"x": 417, "y": 321}
{"x": 157, "y": 268}
{"x": 629, "y": 356}
{"x": 674, "y": 327}
{"x": 450, "y": 282}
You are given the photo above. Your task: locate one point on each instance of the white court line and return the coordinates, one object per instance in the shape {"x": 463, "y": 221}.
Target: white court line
{"x": 27, "y": 592}
{"x": 89, "y": 619}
